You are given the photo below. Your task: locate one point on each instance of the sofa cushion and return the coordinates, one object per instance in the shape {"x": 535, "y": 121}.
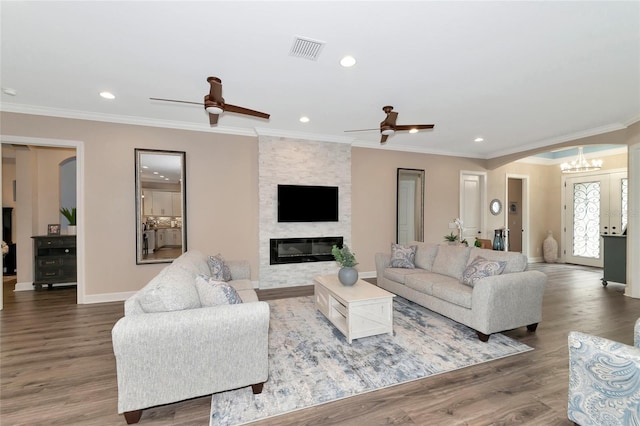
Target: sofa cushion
{"x": 480, "y": 268}
{"x": 240, "y": 284}
{"x": 399, "y": 274}
{"x": 173, "y": 289}
{"x": 213, "y": 292}
{"x": 451, "y": 260}
{"x": 425, "y": 255}
{"x": 218, "y": 270}
{"x": 403, "y": 256}
{"x": 194, "y": 261}
{"x": 516, "y": 262}
{"x": 454, "y": 292}
{"x": 424, "y": 281}
{"x": 248, "y": 296}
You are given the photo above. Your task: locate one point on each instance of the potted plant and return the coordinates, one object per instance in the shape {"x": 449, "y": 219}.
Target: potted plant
{"x": 70, "y": 215}
{"x": 451, "y": 238}
{"x": 348, "y": 275}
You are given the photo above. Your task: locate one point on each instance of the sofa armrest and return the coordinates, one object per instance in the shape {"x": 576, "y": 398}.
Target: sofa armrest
{"x": 171, "y": 356}
{"x": 603, "y": 381}
{"x": 383, "y": 260}
{"x": 636, "y": 334}
{"x": 240, "y": 269}
{"x": 507, "y": 301}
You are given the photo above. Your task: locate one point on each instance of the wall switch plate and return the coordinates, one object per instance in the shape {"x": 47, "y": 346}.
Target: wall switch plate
{"x": 452, "y": 225}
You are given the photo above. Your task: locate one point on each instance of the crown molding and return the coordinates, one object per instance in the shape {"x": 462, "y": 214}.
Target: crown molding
{"x": 121, "y": 119}
{"x": 279, "y": 133}
{"x": 560, "y": 160}
{"x": 560, "y": 139}
{"x": 414, "y": 149}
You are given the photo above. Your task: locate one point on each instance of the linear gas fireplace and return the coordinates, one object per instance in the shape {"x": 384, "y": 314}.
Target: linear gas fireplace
{"x": 300, "y": 250}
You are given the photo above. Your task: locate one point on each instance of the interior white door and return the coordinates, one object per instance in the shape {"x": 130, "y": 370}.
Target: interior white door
{"x": 406, "y": 211}
{"x": 471, "y": 207}
{"x": 594, "y": 206}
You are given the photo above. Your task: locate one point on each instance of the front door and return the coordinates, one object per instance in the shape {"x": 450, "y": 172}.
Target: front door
{"x": 596, "y": 205}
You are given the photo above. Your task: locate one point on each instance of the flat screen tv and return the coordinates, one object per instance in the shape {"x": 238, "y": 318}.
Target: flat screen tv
{"x": 305, "y": 203}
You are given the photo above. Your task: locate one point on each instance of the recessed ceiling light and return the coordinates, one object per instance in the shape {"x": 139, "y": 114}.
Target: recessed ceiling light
{"x": 156, "y": 173}
{"x": 413, "y": 131}
{"x": 348, "y": 61}
{"x": 478, "y": 140}
{"x": 304, "y": 119}
{"x": 145, "y": 167}
{"x": 9, "y": 91}
{"x": 107, "y": 95}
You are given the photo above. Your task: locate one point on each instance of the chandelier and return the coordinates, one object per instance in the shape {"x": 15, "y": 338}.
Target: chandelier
{"x": 581, "y": 164}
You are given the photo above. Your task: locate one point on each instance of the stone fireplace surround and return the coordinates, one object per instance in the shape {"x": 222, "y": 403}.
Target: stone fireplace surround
{"x": 283, "y": 160}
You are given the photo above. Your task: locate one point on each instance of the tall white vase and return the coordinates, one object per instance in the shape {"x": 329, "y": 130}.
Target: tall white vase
{"x": 550, "y": 248}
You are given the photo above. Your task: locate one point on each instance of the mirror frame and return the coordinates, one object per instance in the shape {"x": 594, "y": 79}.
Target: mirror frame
{"x": 419, "y": 232}
{"x": 139, "y": 206}
{"x": 497, "y": 210}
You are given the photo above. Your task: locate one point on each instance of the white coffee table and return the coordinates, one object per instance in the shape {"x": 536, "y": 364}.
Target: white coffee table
{"x": 360, "y": 310}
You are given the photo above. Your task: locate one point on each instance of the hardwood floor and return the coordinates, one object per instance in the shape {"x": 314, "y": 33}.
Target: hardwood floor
{"x": 57, "y": 366}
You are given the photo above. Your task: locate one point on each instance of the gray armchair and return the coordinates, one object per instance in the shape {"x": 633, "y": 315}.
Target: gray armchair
{"x": 604, "y": 380}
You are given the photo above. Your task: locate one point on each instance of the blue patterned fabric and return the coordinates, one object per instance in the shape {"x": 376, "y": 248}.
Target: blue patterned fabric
{"x": 604, "y": 381}
{"x": 403, "y": 256}
{"x": 310, "y": 361}
{"x": 219, "y": 270}
{"x": 481, "y": 268}
{"x": 214, "y": 293}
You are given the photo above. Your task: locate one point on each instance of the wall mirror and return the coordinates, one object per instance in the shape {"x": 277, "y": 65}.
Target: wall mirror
{"x": 410, "y": 206}
{"x": 161, "y": 200}
{"x": 495, "y": 206}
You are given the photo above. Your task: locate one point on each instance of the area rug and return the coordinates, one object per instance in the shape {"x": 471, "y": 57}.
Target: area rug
{"x": 311, "y": 363}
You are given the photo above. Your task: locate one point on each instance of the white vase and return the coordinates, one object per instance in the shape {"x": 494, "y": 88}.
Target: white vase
{"x": 550, "y": 248}
{"x": 71, "y": 230}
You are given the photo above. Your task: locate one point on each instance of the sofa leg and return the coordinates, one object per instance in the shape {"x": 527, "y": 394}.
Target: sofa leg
{"x": 532, "y": 327}
{"x": 483, "y": 337}
{"x": 257, "y": 388}
{"x": 132, "y": 416}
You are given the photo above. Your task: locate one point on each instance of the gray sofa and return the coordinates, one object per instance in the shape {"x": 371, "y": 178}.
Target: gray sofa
{"x": 169, "y": 348}
{"x": 492, "y": 304}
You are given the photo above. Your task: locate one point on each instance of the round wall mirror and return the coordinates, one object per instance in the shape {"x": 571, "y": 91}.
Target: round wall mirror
{"x": 495, "y": 206}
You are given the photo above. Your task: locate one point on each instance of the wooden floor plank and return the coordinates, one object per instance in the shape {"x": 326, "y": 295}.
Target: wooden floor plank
{"x": 57, "y": 365}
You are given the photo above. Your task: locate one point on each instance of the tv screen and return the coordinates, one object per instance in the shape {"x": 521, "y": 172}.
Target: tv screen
{"x": 302, "y": 203}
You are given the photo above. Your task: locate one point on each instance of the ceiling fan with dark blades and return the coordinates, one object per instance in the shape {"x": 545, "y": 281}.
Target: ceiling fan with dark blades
{"x": 215, "y": 105}
{"x": 388, "y": 127}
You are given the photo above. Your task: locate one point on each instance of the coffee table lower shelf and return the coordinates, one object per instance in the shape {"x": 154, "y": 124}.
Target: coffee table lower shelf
{"x": 357, "y": 311}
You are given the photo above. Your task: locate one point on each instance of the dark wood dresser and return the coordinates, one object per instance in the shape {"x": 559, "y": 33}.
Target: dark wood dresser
{"x": 54, "y": 260}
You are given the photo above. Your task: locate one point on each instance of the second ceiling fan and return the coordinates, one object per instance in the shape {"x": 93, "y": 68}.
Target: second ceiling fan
{"x": 215, "y": 105}
{"x": 388, "y": 127}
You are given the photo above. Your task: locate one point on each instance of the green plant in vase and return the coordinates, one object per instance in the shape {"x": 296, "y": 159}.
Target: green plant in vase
{"x": 347, "y": 274}
{"x": 70, "y": 215}
{"x": 452, "y": 238}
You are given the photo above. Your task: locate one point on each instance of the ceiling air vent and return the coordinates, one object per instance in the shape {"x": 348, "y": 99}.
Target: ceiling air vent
{"x": 306, "y": 48}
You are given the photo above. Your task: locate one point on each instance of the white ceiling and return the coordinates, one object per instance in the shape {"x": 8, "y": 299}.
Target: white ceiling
{"x": 521, "y": 75}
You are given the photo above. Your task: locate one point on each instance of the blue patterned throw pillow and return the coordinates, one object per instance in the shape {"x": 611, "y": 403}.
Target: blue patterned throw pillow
{"x": 403, "y": 256}
{"x": 481, "y": 268}
{"x": 213, "y": 292}
{"x": 219, "y": 270}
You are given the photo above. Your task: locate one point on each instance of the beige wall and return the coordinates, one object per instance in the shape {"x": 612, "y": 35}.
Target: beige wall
{"x": 373, "y": 185}
{"x": 222, "y": 194}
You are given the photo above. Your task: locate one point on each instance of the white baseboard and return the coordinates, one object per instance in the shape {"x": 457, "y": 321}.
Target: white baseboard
{"x": 28, "y": 286}
{"x": 24, "y": 286}
{"x": 108, "y": 297}
{"x": 368, "y": 274}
